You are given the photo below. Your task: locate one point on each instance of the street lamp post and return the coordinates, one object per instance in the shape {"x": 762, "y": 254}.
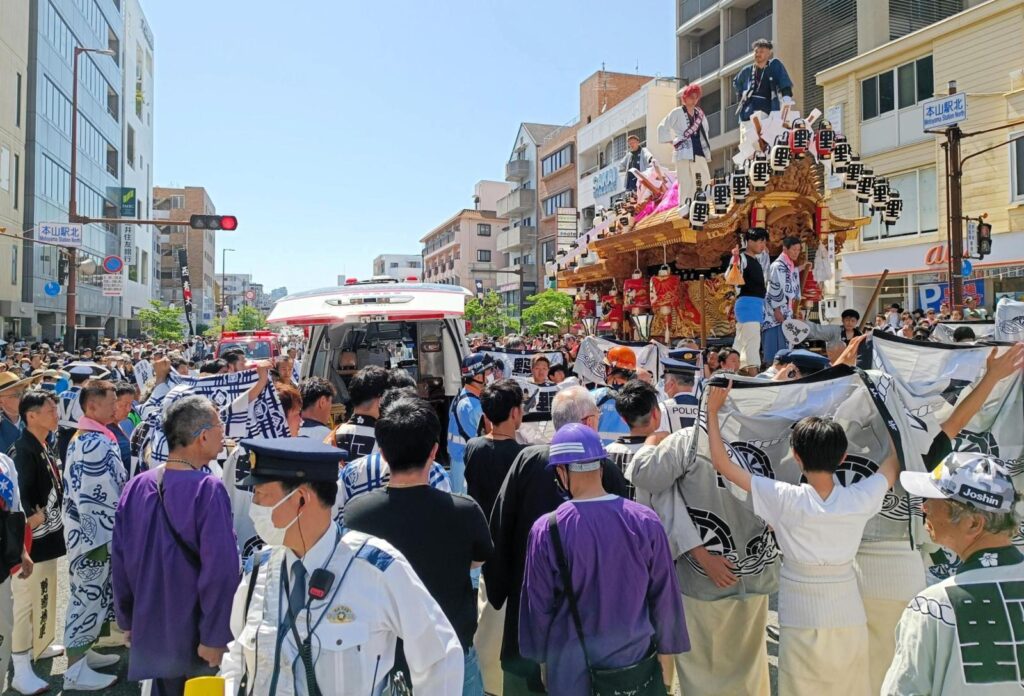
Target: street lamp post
{"x": 224, "y": 280}
{"x": 70, "y": 332}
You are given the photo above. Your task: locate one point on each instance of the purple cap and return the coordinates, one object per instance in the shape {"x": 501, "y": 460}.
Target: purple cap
{"x": 577, "y": 447}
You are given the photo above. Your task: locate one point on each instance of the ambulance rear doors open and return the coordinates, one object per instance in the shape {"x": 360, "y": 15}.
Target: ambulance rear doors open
{"x": 415, "y": 326}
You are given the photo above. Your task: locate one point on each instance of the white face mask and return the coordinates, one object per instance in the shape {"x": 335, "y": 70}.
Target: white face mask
{"x": 489, "y": 379}
{"x": 261, "y": 519}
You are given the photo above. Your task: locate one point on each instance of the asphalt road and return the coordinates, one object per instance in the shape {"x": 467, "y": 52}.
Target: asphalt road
{"x": 53, "y": 670}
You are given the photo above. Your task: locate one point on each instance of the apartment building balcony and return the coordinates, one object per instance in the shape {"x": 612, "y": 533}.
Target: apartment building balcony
{"x": 483, "y": 267}
{"x": 714, "y": 123}
{"x": 738, "y": 45}
{"x": 517, "y": 203}
{"x": 517, "y": 170}
{"x": 697, "y": 15}
{"x": 706, "y": 63}
{"x": 516, "y": 238}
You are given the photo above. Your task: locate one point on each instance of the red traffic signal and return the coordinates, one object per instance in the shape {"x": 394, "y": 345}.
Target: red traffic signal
{"x": 213, "y": 222}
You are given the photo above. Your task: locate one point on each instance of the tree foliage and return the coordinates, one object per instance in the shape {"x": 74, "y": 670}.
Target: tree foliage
{"x": 490, "y": 316}
{"x": 162, "y": 322}
{"x": 246, "y": 319}
{"x": 548, "y": 306}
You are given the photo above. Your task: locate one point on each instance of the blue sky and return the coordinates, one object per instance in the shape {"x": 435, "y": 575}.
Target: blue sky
{"x": 339, "y": 130}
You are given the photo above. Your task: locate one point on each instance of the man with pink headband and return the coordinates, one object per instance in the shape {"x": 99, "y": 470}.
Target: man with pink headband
{"x": 686, "y": 127}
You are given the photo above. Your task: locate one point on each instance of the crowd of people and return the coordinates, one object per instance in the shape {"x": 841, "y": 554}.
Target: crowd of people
{"x": 536, "y": 535}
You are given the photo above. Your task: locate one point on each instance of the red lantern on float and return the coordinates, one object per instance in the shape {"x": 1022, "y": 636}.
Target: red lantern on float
{"x": 611, "y": 309}
{"x": 665, "y": 295}
{"x": 637, "y": 298}
{"x": 584, "y": 306}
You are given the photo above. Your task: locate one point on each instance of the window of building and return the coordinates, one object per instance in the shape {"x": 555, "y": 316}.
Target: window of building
{"x": 920, "y": 206}
{"x": 559, "y": 200}
{"x": 130, "y": 147}
{"x": 14, "y": 265}
{"x": 17, "y": 100}
{"x": 547, "y": 250}
{"x": 17, "y": 182}
{"x": 177, "y": 202}
{"x": 905, "y": 86}
{"x": 483, "y": 229}
{"x": 1016, "y": 167}
{"x": 112, "y": 160}
{"x": 555, "y": 161}
{"x": 483, "y": 255}
{"x": 5, "y": 168}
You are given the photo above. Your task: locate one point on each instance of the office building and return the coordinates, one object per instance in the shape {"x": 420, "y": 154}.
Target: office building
{"x": 462, "y": 250}
{"x": 138, "y": 243}
{"x": 557, "y": 189}
{"x": 56, "y": 28}
{"x": 879, "y": 96}
{"x": 14, "y": 55}
{"x": 517, "y": 242}
{"x": 233, "y": 287}
{"x": 714, "y": 37}
{"x": 179, "y": 204}
{"x": 399, "y": 266}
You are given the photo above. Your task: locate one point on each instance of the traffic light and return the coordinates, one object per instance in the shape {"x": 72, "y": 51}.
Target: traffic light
{"x": 62, "y": 267}
{"x": 213, "y": 222}
{"x": 984, "y": 239}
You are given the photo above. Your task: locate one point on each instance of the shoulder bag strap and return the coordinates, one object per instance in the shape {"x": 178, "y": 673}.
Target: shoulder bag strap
{"x": 570, "y": 595}
{"x": 190, "y": 554}
{"x": 243, "y": 683}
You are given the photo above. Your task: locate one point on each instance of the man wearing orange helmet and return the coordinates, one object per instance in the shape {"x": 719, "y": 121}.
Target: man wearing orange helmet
{"x": 619, "y": 368}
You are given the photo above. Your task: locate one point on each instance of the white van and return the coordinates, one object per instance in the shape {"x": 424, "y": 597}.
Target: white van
{"x": 382, "y": 321}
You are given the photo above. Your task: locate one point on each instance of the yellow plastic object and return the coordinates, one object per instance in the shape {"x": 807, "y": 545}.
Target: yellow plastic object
{"x": 205, "y": 686}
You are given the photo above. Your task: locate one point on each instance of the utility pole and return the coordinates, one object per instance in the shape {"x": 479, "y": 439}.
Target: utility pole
{"x": 954, "y": 197}
{"x": 954, "y": 225}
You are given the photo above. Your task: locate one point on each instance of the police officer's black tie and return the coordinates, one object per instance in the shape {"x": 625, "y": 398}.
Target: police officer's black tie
{"x": 296, "y": 604}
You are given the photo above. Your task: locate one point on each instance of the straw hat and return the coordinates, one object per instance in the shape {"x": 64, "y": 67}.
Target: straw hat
{"x": 12, "y": 380}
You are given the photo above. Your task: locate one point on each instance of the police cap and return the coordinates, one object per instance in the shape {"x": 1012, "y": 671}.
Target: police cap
{"x": 298, "y": 459}
{"x": 681, "y": 362}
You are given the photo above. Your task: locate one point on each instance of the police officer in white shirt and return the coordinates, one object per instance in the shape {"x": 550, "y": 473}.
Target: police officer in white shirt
{"x": 679, "y": 410}
{"x": 319, "y": 612}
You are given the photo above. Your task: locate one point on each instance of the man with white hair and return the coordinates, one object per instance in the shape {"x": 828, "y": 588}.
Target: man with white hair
{"x": 531, "y": 490}
{"x": 962, "y": 635}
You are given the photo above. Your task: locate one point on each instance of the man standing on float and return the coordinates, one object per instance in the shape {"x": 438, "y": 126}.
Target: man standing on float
{"x": 762, "y": 87}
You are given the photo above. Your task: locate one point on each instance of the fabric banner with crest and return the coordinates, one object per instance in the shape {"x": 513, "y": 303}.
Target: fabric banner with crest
{"x": 943, "y": 331}
{"x": 932, "y": 379}
{"x": 1009, "y": 321}
{"x": 265, "y": 417}
{"x": 518, "y": 362}
{"x": 756, "y": 422}
{"x": 589, "y": 363}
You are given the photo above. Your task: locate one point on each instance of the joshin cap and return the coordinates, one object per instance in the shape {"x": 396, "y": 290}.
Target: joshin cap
{"x": 967, "y": 477}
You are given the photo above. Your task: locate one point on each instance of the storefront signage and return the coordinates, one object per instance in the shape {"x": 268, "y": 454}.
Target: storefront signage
{"x": 606, "y": 181}
{"x": 931, "y": 295}
{"x": 937, "y": 255}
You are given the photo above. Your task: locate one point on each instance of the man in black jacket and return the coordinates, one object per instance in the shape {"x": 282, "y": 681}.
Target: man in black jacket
{"x": 39, "y": 482}
{"x": 529, "y": 491}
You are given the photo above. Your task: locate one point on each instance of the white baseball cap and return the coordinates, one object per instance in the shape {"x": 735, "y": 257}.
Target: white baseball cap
{"x": 976, "y": 479}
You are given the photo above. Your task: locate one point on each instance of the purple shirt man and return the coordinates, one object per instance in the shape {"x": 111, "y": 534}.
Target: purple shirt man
{"x": 170, "y": 606}
{"x": 625, "y": 585}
